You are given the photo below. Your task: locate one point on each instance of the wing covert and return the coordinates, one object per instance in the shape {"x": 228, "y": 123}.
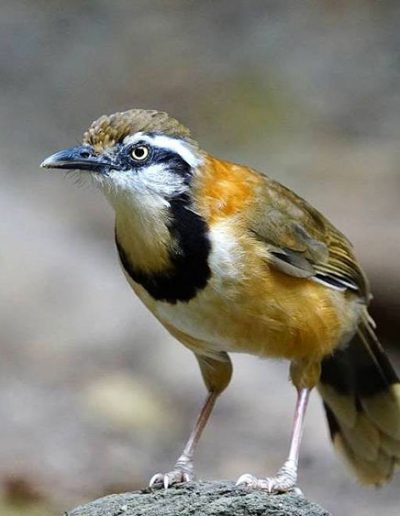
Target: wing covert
{"x": 301, "y": 242}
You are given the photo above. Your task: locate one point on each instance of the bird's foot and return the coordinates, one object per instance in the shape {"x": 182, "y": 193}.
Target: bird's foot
{"x": 182, "y": 473}
{"x": 177, "y": 476}
{"x": 283, "y": 482}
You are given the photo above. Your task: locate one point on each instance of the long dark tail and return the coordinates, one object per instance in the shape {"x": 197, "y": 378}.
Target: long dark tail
{"x": 361, "y": 394}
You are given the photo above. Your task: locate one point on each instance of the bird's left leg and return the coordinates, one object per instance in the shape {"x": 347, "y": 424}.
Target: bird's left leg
{"x": 286, "y": 478}
{"x": 216, "y": 374}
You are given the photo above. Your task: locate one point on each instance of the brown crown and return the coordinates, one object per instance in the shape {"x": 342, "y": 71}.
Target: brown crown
{"x": 110, "y": 129}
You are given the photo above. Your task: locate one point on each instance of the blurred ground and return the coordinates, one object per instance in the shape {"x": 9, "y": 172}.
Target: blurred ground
{"x": 94, "y": 396}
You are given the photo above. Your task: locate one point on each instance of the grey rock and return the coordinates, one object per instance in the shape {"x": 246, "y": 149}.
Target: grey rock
{"x": 198, "y": 499}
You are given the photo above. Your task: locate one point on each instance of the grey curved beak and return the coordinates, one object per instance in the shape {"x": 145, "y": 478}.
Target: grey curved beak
{"x": 81, "y": 157}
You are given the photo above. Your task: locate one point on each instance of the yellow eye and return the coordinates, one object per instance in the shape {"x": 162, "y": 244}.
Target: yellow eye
{"x": 140, "y": 152}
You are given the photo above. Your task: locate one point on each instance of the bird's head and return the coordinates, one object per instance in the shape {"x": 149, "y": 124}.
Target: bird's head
{"x": 136, "y": 152}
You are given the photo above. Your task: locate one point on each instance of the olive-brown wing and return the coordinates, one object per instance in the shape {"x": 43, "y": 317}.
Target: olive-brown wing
{"x": 302, "y": 242}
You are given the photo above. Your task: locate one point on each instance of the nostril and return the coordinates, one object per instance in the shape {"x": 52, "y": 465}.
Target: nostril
{"x": 85, "y": 154}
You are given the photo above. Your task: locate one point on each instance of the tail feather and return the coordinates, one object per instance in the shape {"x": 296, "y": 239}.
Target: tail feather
{"x": 376, "y": 472}
{"x": 382, "y": 405}
{"x": 361, "y": 394}
{"x": 391, "y": 447}
{"x": 363, "y": 437}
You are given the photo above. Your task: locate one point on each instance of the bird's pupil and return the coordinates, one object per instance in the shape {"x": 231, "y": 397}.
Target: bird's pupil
{"x": 140, "y": 152}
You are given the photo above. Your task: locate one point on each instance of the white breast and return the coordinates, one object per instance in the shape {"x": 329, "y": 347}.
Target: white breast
{"x": 199, "y": 317}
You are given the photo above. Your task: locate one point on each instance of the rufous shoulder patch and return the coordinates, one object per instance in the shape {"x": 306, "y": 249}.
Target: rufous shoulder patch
{"x": 225, "y": 188}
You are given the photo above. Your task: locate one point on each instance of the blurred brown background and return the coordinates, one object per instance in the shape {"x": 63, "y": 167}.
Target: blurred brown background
{"x": 95, "y": 397}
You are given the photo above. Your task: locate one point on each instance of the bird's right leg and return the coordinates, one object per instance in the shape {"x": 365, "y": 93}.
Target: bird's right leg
{"x": 184, "y": 470}
{"x": 216, "y": 373}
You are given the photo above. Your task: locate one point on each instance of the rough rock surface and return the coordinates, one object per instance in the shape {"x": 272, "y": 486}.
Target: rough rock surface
{"x": 197, "y": 499}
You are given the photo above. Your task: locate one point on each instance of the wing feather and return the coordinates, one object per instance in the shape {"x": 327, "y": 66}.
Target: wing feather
{"x": 302, "y": 242}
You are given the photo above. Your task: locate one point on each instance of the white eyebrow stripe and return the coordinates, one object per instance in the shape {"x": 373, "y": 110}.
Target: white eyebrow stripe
{"x": 173, "y": 144}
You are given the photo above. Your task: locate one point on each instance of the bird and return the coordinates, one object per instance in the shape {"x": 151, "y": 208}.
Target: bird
{"x": 231, "y": 261}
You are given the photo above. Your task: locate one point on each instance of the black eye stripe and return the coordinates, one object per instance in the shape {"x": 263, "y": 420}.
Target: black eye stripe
{"x": 157, "y": 156}
{"x": 173, "y": 160}
{"x": 159, "y": 153}
{"x": 168, "y": 157}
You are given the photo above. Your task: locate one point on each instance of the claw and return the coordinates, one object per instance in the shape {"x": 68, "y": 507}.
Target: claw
{"x": 247, "y": 480}
{"x": 283, "y": 482}
{"x": 278, "y": 484}
{"x": 166, "y": 480}
{"x": 156, "y": 479}
{"x": 297, "y": 491}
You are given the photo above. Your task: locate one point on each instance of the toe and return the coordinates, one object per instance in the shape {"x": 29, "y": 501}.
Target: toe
{"x": 272, "y": 485}
{"x": 297, "y": 491}
{"x": 156, "y": 479}
{"x": 187, "y": 477}
{"x": 278, "y": 484}
{"x": 247, "y": 480}
{"x": 168, "y": 479}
